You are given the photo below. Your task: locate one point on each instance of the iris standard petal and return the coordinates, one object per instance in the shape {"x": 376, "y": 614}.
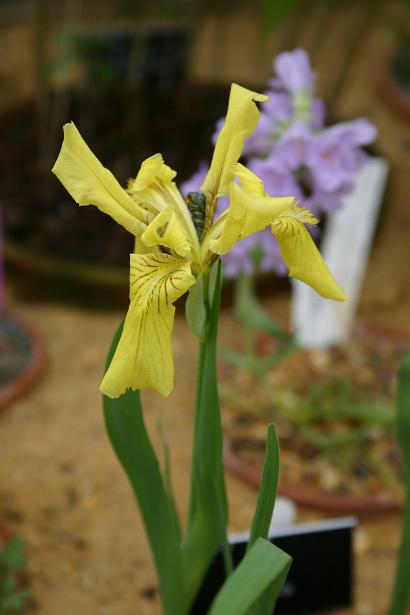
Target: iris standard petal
{"x": 143, "y": 359}
{"x": 90, "y": 183}
{"x": 151, "y": 170}
{"x": 301, "y": 255}
{"x": 251, "y": 183}
{"x": 241, "y": 119}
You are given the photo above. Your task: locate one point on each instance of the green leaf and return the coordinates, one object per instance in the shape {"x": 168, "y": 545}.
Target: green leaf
{"x": 400, "y": 604}
{"x": 168, "y": 480}
{"x": 249, "y": 312}
{"x": 267, "y": 490}
{"x": 195, "y": 309}
{"x": 263, "y": 569}
{"x": 258, "y": 365}
{"x": 12, "y": 557}
{"x": 207, "y": 517}
{"x": 129, "y": 438}
{"x": 14, "y": 601}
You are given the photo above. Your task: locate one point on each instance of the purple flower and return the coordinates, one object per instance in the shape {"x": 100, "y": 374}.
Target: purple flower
{"x": 239, "y": 259}
{"x": 278, "y": 179}
{"x": 274, "y": 113}
{"x": 292, "y": 148}
{"x": 259, "y": 143}
{"x": 294, "y": 155}
{"x": 294, "y": 72}
{"x": 322, "y": 202}
{"x": 318, "y": 114}
{"x": 331, "y": 163}
{"x": 334, "y": 155}
{"x": 357, "y": 132}
{"x": 278, "y": 108}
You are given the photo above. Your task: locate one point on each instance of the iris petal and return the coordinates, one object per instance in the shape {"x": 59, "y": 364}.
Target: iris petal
{"x": 90, "y": 183}
{"x": 301, "y": 255}
{"x": 143, "y": 358}
{"x": 151, "y": 170}
{"x": 241, "y": 119}
{"x": 252, "y": 210}
{"x": 167, "y": 230}
{"x": 247, "y": 214}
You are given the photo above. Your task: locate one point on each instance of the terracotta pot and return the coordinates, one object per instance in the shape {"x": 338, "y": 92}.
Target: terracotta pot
{"x": 337, "y": 504}
{"x": 363, "y": 505}
{"x": 33, "y": 370}
{"x": 66, "y": 271}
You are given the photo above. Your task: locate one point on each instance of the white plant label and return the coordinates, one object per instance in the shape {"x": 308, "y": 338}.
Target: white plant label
{"x": 346, "y": 243}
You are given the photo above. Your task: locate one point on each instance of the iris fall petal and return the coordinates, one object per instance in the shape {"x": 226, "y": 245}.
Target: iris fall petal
{"x": 143, "y": 358}
{"x": 301, "y": 255}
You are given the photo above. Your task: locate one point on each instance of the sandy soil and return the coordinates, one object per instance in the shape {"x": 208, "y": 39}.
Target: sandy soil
{"x": 63, "y": 491}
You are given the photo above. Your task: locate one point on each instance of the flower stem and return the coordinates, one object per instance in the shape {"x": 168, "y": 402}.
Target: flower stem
{"x": 208, "y": 510}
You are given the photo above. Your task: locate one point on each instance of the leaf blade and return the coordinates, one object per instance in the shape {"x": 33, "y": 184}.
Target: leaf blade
{"x": 263, "y": 568}
{"x": 267, "y": 490}
{"x": 195, "y": 310}
{"x": 129, "y": 438}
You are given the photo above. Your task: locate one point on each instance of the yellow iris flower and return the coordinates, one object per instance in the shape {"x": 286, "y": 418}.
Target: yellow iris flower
{"x": 169, "y": 251}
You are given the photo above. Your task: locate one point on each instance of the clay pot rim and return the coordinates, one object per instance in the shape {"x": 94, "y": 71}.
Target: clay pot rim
{"x": 14, "y": 389}
{"x": 99, "y": 276}
{"x": 363, "y": 506}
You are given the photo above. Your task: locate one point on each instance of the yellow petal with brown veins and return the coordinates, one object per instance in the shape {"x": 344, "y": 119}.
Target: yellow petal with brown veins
{"x": 143, "y": 359}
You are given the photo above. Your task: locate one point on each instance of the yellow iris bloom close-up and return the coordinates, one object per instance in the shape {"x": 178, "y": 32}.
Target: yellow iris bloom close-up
{"x": 170, "y": 252}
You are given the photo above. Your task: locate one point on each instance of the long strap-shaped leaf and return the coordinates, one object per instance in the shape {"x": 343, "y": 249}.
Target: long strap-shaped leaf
{"x": 207, "y": 517}
{"x": 267, "y": 490}
{"x": 263, "y": 568}
{"x": 264, "y": 510}
{"x": 130, "y": 440}
{"x": 401, "y": 593}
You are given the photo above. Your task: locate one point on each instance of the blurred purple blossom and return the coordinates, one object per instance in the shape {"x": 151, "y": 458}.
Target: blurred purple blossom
{"x": 294, "y": 73}
{"x": 275, "y": 115}
{"x": 295, "y": 155}
{"x": 276, "y": 176}
{"x": 318, "y": 110}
